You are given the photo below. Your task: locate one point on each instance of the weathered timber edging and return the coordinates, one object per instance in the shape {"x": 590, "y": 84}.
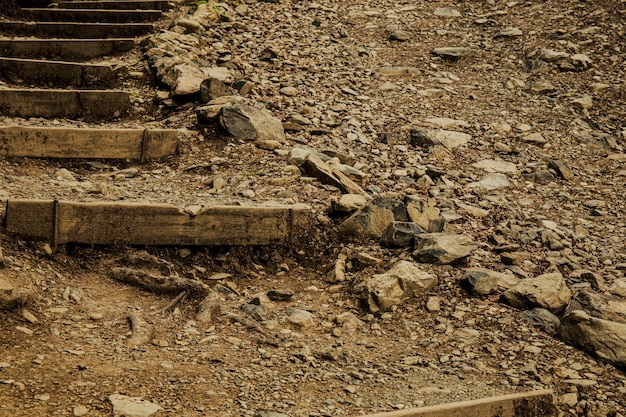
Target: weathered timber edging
{"x": 61, "y": 222}
{"x": 117, "y": 5}
{"x": 524, "y": 404}
{"x": 64, "y": 48}
{"x": 43, "y": 72}
{"x": 76, "y": 30}
{"x": 90, "y": 15}
{"x": 105, "y": 104}
{"x": 59, "y": 142}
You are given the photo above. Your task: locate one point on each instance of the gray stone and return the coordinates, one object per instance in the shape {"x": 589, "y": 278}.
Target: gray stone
{"x": 184, "y": 79}
{"x": 547, "y": 291}
{"x": 372, "y": 221}
{"x": 404, "y": 280}
{"x": 602, "y": 338}
{"x": 301, "y": 318}
{"x": 443, "y": 248}
{"x": 400, "y": 35}
{"x": 482, "y": 281}
{"x": 542, "y": 318}
{"x": 210, "y": 89}
{"x": 427, "y": 138}
{"x": 401, "y": 234}
{"x": 491, "y": 182}
{"x": 425, "y": 215}
{"x": 246, "y": 122}
{"x": 124, "y": 406}
{"x": 542, "y": 176}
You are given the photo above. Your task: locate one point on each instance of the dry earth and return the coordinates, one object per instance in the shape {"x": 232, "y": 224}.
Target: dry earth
{"x": 72, "y": 352}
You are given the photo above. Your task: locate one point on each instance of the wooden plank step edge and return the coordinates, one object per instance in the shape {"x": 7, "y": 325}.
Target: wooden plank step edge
{"x": 43, "y": 72}
{"x": 77, "y": 30}
{"x": 106, "y": 223}
{"x": 540, "y": 403}
{"x": 117, "y": 4}
{"x": 58, "y": 142}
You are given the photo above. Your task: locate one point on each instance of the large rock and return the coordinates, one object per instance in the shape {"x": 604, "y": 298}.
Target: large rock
{"x": 599, "y": 305}
{"x": 542, "y": 318}
{"x": 184, "y": 79}
{"x": 425, "y": 215}
{"x": 124, "y": 406}
{"x": 246, "y": 122}
{"x": 449, "y": 138}
{"x": 603, "y": 338}
{"x": 547, "y": 291}
{"x": 16, "y": 291}
{"x": 480, "y": 281}
{"x": 618, "y": 287}
{"x": 404, "y": 280}
{"x": 443, "y": 248}
{"x": 372, "y": 221}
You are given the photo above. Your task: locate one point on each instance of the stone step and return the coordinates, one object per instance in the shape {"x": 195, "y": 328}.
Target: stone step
{"x": 55, "y": 73}
{"x": 70, "y": 49}
{"x": 76, "y": 30}
{"x": 90, "y": 104}
{"x": 61, "y": 222}
{"x": 87, "y": 143}
{"x": 117, "y": 5}
{"x": 90, "y": 15}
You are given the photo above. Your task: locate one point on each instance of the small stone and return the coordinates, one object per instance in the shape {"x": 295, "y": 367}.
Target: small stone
{"x": 570, "y": 399}
{"x": 348, "y": 203}
{"x": 29, "y": 317}
{"x": 509, "y": 32}
{"x": 454, "y": 52}
{"x": 542, "y": 318}
{"x": 301, "y": 318}
{"x": 482, "y": 281}
{"x": 400, "y": 35}
{"x": 618, "y": 287}
{"x": 64, "y": 174}
{"x": 491, "y": 182}
{"x": 210, "y": 89}
{"x": 535, "y": 139}
{"x": 562, "y": 169}
{"x": 580, "y": 61}
{"x": 401, "y": 234}
{"x": 585, "y": 102}
{"x": 289, "y": 91}
{"x": 447, "y": 12}
{"x": 433, "y": 304}
{"x": 80, "y": 410}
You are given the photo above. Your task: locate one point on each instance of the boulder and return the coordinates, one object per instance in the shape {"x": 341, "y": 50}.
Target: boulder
{"x": 404, "y": 280}
{"x": 443, "y": 248}
{"x": 246, "y": 122}
{"x": 425, "y": 215}
{"x": 372, "y": 221}
{"x": 599, "y": 305}
{"x": 602, "y": 338}
{"x": 547, "y": 291}
{"x": 480, "y": 281}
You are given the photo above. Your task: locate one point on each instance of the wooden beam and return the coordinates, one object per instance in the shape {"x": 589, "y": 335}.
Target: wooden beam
{"x": 60, "y": 142}
{"x": 76, "y": 30}
{"x": 90, "y": 15}
{"x": 524, "y": 404}
{"x": 64, "y": 48}
{"x": 103, "y": 104}
{"x": 154, "y": 224}
{"x": 116, "y": 4}
{"x": 44, "y": 72}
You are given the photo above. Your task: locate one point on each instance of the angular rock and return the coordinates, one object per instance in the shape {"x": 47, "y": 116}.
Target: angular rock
{"x": 491, "y": 165}
{"x": 211, "y": 88}
{"x": 301, "y": 318}
{"x": 372, "y": 221}
{"x": 246, "y": 122}
{"x": 580, "y": 61}
{"x": 330, "y": 174}
{"x": 562, "y": 169}
{"x": 401, "y": 234}
{"x": 404, "y": 280}
{"x": 599, "y": 305}
{"x": 348, "y": 203}
{"x": 602, "y": 338}
{"x": 547, "y": 291}
{"x": 448, "y": 138}
{"x": 447, "y": 12}
{"x": 491, "y": 182}
{"x": 338, "y": 271}
{"x": 400, "y": 35}
{"x": 509, "y": 32}
{"x": 618, "y": 287}
{"x": 443, "y": 248}
{"x": 480, "y": 281}
{"x": 542, "y": 176}
{"x": 542, "y": 318}
{"x": 425, "y": 215}
{"x": 184, "y": 80}
{"x": 132, "y": 406}
{"x": 209, "y": 308}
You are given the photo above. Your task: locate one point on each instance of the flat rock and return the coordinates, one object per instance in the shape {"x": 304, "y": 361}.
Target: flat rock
{"x": 124, "y": 406}
{"x": 547, "y": 291}
{"x": 618, "y": 287}
{"x": 401, "y": 234}
{"x": 509, "y": 32}
{"x": 602, "y": 338}
{"x": 492, "y": 165}
{"x": 443, "y": 248}
{"x": 330, "y": 174}
{"x": 404, "y": 280}
{"x": 491, "y": 182}
{"x": 446, "y": 122}
{"x": 246, "y": 122}
{"x": 212, "y": 88}
{"x": 348, "y": 203}
{"x": 598, "y": 305}
{"x": 446, "y": 12}
{"x": 481, "y": 281}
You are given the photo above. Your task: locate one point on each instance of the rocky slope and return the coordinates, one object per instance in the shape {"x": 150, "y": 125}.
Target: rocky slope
{"x": 465, "y": 167}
